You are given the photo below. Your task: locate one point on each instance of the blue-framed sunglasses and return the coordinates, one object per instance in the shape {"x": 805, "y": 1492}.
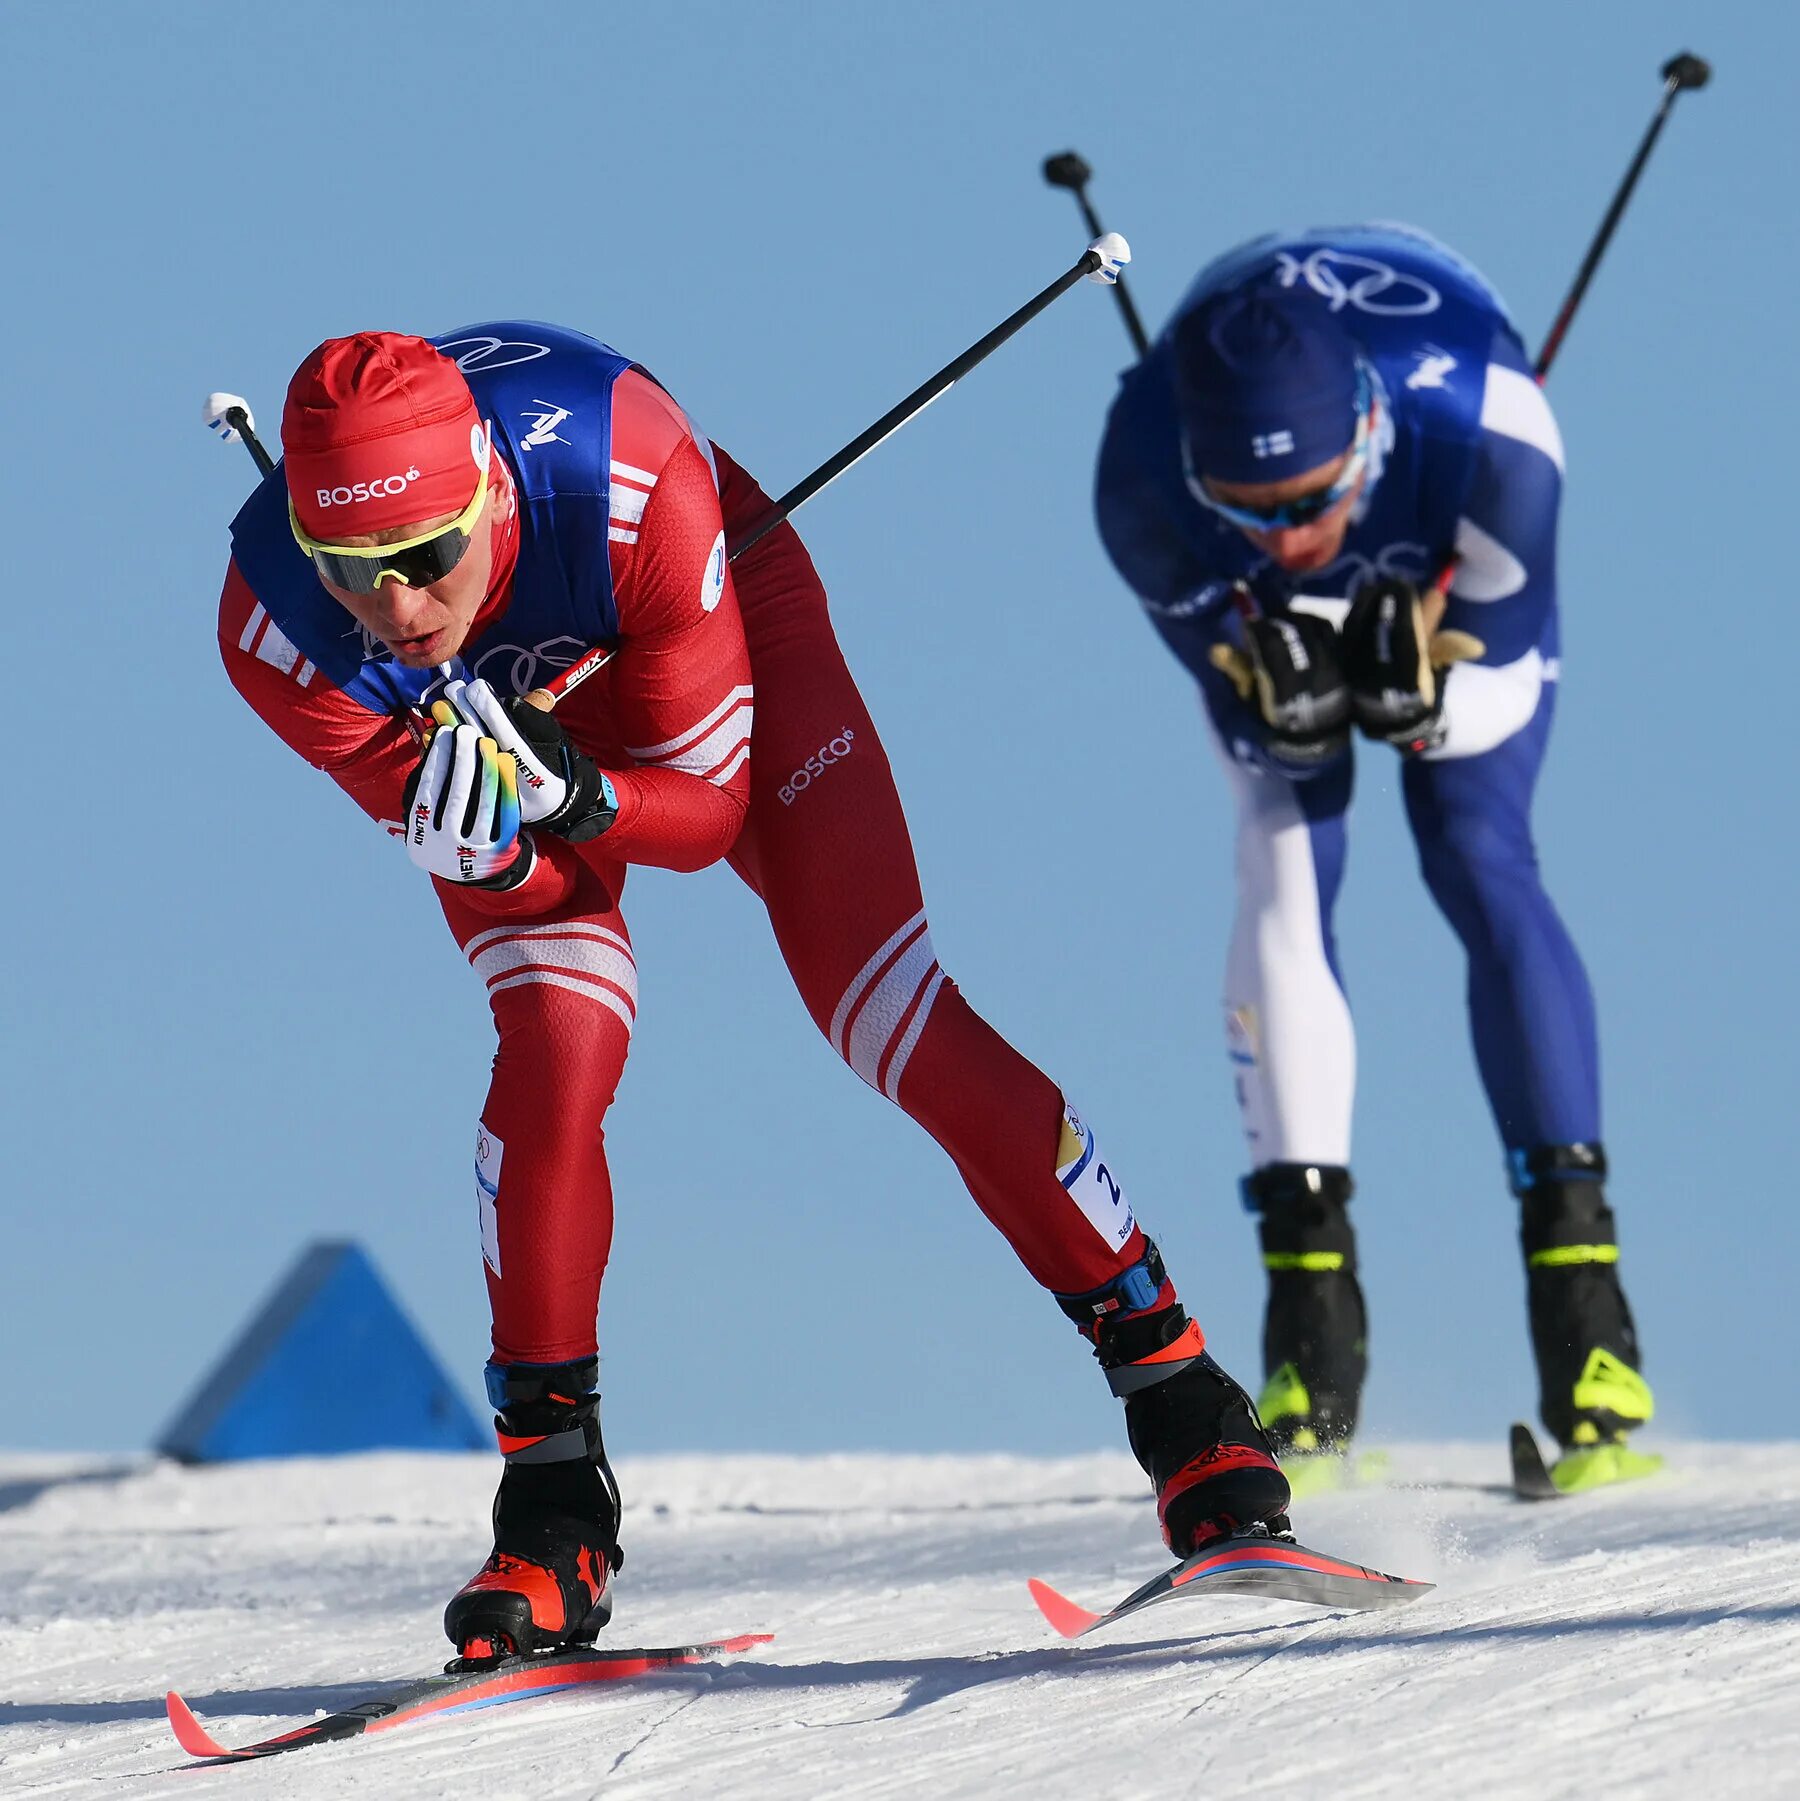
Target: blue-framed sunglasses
{"x": 1305, "y": 508}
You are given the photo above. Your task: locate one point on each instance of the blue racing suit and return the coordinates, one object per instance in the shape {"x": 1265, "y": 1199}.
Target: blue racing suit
{"x": 1467, "y": 459}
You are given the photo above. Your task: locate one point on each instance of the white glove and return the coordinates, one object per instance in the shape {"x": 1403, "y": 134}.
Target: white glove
{"x": 462, "y": 808}
{"x": 542, "y": 788}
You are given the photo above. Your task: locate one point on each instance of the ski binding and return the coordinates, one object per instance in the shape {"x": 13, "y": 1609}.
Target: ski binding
{"x": 1585, "y": 1467}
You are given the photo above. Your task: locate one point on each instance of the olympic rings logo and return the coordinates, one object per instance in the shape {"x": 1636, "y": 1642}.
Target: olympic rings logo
{"x": 515, "y": 667}
{"x": 484, "y": 352}
{"x": 1341, "y": 278}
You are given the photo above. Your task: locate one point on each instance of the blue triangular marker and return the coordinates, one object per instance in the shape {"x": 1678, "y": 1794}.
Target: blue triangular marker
{"x": 328, "y": 1364}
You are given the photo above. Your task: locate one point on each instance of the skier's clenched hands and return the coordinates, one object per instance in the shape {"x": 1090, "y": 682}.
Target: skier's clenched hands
{"x": 1288, "y": 668}
{"x": 560, "y": 788}
{"x": 461, "y": 808}
{"x": 1396, "y": 663}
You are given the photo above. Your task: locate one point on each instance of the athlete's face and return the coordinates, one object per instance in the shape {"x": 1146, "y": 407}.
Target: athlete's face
{"x": 425, "y": 626}
{"x": 1300, "y": 549}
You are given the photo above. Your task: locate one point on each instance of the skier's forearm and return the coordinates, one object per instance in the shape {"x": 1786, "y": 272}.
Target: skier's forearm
{"x": 672, "y": 820}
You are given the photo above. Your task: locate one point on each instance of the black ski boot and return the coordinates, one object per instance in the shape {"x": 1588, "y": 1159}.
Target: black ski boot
{"x": 1315, "y": 1332}
{"x": 1193, "y": 1431}
{"x": 1590, "y": 1391}
{"x": 556, "y": 1518}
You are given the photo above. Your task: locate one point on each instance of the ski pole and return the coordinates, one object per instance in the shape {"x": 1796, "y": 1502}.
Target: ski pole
{"x": 1686, "y": 70}
{"x": 1100, "y": 262}
{"x": 1068, "y": 170}
{"x": 229, "y": 416}
{"x": 1683, "y": 71}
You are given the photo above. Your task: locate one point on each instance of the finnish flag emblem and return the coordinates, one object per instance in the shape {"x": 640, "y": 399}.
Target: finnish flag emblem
{"x": 1272, "y": 444}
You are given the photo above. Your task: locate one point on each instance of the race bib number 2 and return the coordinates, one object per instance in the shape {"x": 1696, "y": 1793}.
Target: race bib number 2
{"x": 1092, "y": 1186}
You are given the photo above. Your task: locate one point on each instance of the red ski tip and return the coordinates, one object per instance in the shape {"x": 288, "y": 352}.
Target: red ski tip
{"x": 1065, "y": 1616}
{"x": 193, "y": 1738}
{"x": 742, "y": 1642}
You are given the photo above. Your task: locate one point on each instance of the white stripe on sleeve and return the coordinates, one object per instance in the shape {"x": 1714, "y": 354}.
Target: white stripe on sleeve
{"x": 1484, "y": 707}
{"x": 652, "y": 753}
{"x": 1485, "y": 569}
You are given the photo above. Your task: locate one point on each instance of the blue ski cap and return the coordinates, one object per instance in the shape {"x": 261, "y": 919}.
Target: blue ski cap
{"x": 1266, "y": 383}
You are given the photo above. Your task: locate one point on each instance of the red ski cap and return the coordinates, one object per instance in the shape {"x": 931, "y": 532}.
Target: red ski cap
{"x": 379, "y": 430}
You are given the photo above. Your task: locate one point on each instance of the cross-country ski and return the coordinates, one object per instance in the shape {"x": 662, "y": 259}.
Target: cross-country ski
{"x": 458, "y": 1691}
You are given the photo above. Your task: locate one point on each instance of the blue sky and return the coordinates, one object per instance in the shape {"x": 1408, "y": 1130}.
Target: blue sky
{"x": 235, "y": 1022}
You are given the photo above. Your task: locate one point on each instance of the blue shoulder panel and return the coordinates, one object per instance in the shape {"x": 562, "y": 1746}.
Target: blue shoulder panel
{"x": 1428, "y": 323}
{"x": 1425, "y": 317}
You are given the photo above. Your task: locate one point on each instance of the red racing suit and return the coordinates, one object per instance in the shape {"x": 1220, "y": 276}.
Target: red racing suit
{"x": 814, "y": 826}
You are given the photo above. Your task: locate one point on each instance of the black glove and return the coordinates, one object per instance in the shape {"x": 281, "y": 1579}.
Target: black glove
{"x": 1396, "y": 670}
{"x": 1289, "y": 666}
{"x": 590, "y": 805}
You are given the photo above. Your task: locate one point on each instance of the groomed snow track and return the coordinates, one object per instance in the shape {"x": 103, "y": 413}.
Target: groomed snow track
{"x": 1641, "y": 1642}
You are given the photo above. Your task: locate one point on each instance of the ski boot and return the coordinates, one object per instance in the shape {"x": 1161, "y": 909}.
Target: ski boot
{"x": 1590, "y": 1391}
{"x": 1315, "y": 1331}
{"x": 556, "y": 1519}
{"x": 1193, "y": 1431}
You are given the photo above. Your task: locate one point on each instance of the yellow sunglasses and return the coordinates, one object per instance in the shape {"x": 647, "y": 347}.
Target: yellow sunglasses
{"x": 416, "y": 562}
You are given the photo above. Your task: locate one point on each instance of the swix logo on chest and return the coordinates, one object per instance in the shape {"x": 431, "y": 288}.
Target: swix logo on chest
{"x": 359, "y": 491}
{"x": 518, "y": 668}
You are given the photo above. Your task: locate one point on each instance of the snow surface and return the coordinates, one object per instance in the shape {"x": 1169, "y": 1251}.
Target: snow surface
{"x": 1640, "y": 1642}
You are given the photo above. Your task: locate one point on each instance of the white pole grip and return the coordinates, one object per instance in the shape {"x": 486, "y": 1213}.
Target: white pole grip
{"x": 1114, "y": 253}
{"x": 217, "y": 406}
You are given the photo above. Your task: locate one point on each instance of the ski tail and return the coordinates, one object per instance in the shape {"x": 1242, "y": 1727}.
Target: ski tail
{"x": 192, "y": 1737}
{"x": 1577, "y": 1470}
{"x": 507, "y": 1679}
{"x": 1067, "y": 1617}
{"x": 1530, "y": 1474}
